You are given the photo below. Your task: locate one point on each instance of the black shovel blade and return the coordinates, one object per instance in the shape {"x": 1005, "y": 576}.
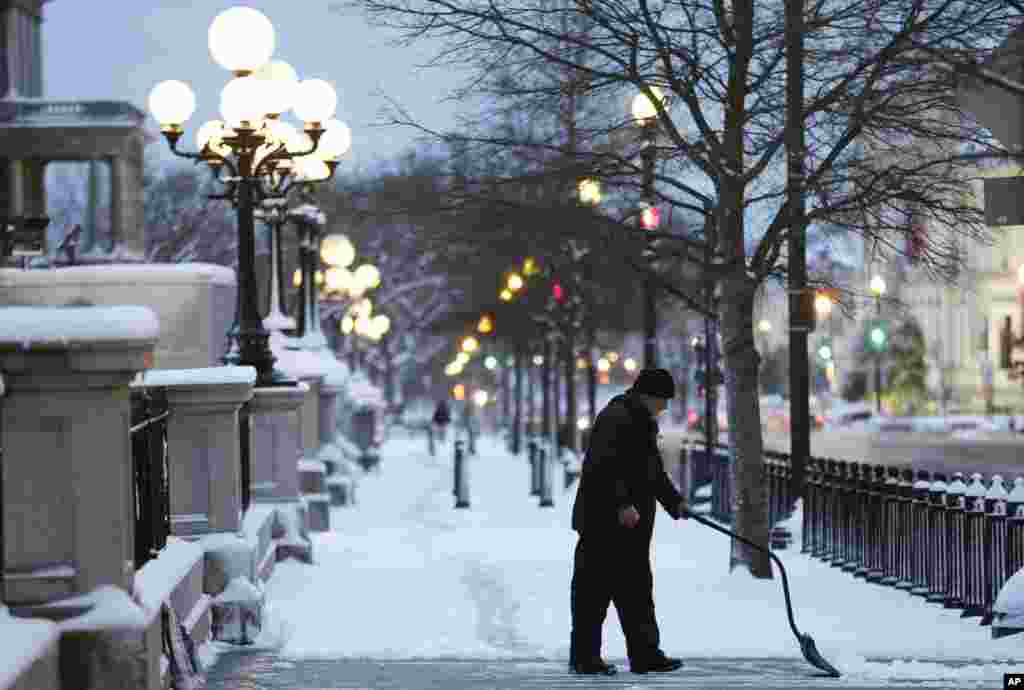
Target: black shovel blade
{"x": 814, "y": 657}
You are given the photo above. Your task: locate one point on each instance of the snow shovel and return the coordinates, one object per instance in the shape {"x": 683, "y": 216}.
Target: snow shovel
{"x": 807, "y": 646}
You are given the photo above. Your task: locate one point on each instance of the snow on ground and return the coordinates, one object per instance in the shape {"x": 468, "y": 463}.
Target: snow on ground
{"x": 405, "y": 575}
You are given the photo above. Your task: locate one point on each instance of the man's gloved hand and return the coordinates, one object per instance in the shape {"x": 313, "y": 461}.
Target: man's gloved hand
{"x": 629, "y": 517}
{"x": 684, "y": 509}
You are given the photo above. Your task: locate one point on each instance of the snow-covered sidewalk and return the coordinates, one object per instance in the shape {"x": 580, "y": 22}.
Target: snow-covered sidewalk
{"x": 403, "y": 575}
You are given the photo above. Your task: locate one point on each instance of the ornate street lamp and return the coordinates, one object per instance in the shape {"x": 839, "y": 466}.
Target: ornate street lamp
{"x": 251, "y": 151}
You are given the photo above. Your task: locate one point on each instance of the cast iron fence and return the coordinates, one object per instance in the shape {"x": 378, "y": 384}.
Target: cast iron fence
{"x": 949, "y": 539}
{"x": 149, "y": 468}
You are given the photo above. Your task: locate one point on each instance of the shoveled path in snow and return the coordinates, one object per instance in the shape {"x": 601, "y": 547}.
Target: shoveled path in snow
{"x": 408, "y": 592}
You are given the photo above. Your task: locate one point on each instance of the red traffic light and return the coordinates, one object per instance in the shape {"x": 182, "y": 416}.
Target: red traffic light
{"x": 650, "y": 218}
{"x": 558, "y": 292}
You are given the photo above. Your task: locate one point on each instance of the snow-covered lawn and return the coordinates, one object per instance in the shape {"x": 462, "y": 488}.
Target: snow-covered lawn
{"x": 405, "y": 575}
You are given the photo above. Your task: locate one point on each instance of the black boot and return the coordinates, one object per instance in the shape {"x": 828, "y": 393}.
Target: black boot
{"x": 656, "y": 664}
{"x": 593, "y": 667}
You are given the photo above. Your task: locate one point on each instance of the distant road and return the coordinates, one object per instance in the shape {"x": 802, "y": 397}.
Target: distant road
{"x": 994, "y": 453}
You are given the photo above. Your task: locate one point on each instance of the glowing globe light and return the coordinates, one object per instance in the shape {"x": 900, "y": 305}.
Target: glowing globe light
{"x": 241, "y": 39}
{"x": 337, "y": 250}
{"x": 171, "y": 103}
{"x": 280, "y": 81}
{"x": 315, "y": 101}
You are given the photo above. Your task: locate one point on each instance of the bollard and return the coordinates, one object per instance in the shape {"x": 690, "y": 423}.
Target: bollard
{"x": 461, "y": 483}
{"x": 534, "y": 468}
{"x": 456, "y": 469}
{"x": 430, "y": 440}
{"x": 546, "y": 500}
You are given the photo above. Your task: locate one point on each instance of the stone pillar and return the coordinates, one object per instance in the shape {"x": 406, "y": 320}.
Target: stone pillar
{"x": 328, "y": 408}
{"x": 15, "y": 188}
{"x": 202, "y": 445}
{"x": 277, "y": 442}
{"x": 117, "y": 181}
{"x": 68, "y": 484}
{"x": 309, "y": 415}
{"x": 126, "y": 199}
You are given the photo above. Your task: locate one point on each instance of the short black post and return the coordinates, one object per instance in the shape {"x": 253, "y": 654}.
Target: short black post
{"x": 461, "y": 485}
{"x": 546, "y": 500}
{"x": 430, "y": 439}
{"x": 531, "y": 446}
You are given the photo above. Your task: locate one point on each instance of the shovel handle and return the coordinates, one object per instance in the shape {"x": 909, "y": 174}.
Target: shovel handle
{"x": 785, "y": 581}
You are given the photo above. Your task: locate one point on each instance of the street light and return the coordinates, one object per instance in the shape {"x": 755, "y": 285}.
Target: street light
{"x": 645, "y": 115}
{"x": 823, "y": 305}
{"x": 249, "y": 154}
{"x": 878, "y": 337}
{"x": 589, "y": 192}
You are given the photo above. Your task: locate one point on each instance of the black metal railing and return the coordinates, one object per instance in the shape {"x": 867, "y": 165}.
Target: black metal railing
{"x": 245, "y": 455}
{"x": 953, "y": 541}
{"x": 149, "y": 468}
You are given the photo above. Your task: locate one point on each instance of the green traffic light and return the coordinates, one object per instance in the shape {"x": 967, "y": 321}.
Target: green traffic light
{"x": 878, "y": 336}
{"x": 825, "y": 352}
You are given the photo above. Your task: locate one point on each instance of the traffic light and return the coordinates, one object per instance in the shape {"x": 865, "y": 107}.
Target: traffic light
{"x": 878, "y": 336}
{"x": 650, "y": 218}
{"x": 824, "y": 350}
{"x": 558, "y": 292}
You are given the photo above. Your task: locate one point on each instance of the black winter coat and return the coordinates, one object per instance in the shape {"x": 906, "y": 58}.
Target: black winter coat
{"x": 623, "y": 467}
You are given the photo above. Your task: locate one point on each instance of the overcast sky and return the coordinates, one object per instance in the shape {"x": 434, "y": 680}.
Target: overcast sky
{"x": 119, "y": 49}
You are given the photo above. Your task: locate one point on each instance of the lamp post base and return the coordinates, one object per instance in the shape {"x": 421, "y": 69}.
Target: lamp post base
{"x": 266, "y": 379}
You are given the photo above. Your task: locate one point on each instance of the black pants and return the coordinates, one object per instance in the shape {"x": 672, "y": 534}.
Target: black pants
{"x": 616, "y": 570}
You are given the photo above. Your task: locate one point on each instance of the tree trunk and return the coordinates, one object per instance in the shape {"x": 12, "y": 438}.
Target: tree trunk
{"x": 750, "y": 491}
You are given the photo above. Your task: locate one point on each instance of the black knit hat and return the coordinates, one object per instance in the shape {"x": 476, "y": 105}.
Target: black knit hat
{"x": 656, "y": 383}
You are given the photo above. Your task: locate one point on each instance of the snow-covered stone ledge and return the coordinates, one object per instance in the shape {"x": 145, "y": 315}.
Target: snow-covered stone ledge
{"x": 194, "y": 302}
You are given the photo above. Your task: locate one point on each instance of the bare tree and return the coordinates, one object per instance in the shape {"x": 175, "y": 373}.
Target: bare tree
{"x": 182, "y": 224}
{"x": 868, "y": 99}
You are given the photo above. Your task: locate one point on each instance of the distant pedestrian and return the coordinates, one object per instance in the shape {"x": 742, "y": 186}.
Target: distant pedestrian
{"x": 622, "y": 476}
{"x": 442, "y": 418}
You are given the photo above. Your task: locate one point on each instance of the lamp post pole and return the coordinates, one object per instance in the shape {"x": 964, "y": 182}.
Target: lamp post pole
{"x": 878, "y": 360}
{"x": 276, "y": 319}
{"x": 650, "y": 287}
